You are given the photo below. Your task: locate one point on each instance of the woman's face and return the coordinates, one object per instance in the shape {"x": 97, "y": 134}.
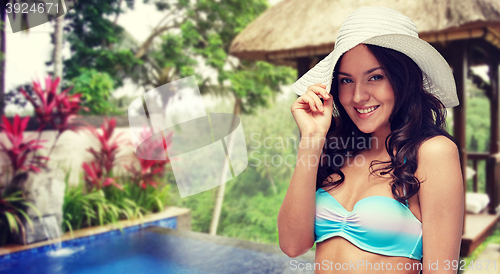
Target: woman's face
{"x": 365, "y": 91}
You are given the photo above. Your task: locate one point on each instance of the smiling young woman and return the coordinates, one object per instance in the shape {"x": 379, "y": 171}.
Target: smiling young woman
{"x": 386, "y": 91}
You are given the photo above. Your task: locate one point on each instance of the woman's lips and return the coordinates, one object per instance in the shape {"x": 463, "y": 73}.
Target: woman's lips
{"x": 368, "y": 114}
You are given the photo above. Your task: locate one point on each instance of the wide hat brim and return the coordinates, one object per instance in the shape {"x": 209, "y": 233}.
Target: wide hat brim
{"x": 438, "y": 76}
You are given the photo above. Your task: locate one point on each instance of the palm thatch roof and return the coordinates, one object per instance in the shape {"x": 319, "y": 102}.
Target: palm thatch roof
{"x": 297, "y": 28}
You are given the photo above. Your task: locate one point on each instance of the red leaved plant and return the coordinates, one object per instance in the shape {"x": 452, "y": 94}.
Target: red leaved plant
{"x": 150, "y": 169}
{"x": 56, "y": 110}
{"x": 99, "y": 172}
{"x": 95, "y": 177}
{"x": 20, "y": 148}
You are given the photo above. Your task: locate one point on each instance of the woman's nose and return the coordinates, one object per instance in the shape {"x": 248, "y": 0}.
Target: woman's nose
{"x": 361, "y": 94}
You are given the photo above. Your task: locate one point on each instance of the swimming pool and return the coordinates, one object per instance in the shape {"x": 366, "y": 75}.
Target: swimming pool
{"x": 156, "y": 250}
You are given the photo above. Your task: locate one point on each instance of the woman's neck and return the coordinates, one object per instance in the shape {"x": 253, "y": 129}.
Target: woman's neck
{"x": 377, "y": 141}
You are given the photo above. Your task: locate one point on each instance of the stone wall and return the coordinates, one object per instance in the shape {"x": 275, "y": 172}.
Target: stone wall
{"x": 71, "y": 151}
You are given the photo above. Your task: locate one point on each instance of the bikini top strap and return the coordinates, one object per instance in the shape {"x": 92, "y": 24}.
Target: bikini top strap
{"x": 404, "y": 191}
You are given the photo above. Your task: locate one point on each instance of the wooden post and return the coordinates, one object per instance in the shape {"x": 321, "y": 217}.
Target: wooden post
{"x": 492, "y": 166}
{"x": 2, "y": 58}
{"x": 494, "y": 105}
{"x": 303, "y": 64}
{"x": 460, "y": 67}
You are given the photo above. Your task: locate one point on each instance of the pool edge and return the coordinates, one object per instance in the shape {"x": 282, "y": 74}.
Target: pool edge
{"x": 182, "y": 218}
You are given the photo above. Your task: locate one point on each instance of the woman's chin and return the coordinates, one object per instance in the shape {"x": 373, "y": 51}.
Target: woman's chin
{"x": 365, "y": 129}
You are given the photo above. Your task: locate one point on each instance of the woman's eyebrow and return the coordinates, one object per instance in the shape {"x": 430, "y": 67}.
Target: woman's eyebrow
{"x": 366, "y": 72}
{"x": 372, "y": 70}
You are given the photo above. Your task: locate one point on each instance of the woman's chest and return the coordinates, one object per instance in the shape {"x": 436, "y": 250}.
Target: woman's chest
{"x": 359, "y": 184}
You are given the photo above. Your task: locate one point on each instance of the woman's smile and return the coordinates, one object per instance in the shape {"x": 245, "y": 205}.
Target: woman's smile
{"x": 365, "y": 112}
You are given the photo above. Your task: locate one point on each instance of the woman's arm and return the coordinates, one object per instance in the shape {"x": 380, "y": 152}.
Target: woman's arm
{"x": 298, "y": 210}
{"x": 441, "y": 198}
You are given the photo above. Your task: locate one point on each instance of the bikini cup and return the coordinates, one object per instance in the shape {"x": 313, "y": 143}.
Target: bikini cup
{"x": 377, "y": 224}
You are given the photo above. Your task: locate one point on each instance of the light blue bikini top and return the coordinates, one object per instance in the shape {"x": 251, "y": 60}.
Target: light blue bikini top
{"x": 377, "y": 224}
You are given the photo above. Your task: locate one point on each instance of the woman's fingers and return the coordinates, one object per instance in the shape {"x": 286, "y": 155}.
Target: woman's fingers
{"x": 309, "y": 98}
{"x": 320, "y": 89}
{"x": 305, "y": 106}
{"x": 315, "y": 91}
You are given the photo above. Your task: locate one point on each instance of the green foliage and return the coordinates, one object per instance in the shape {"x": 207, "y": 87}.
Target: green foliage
{"x": 82, "y": 209}
{"x": 256, "y": 82}
{"x": 96, "y": 88}
{"x": 478, "y": 124}
{"x": 109, "y": 205}
{"x": 147, "y": 200}
{"x": 251, "y": 217}
{"x": 478, "y": 131}
{"x": 210, "y": 28}
{"x": 95, "y": 41}
{"x": 170, "y": 55}
{"x": 201, "y": 205}
{"x": 224, "y": 18}
{"x": 13, "y": 208}
{"x": 166, "y": 62}
{"x": 121, "y": 198}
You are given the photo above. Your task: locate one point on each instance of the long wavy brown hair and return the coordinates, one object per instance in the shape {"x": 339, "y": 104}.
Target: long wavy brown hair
{"x": 417, "y": 116}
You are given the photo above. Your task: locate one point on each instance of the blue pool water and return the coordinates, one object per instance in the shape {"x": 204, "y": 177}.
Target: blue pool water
{"x": 144, "y": 252}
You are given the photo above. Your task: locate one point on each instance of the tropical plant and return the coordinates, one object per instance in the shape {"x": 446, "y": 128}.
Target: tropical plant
{"x": 122, "y": 198}
{"x": 95, "y": 177}
{"x": 96, "y": 88}
{"x": 12, "y": 212}
{"x": 106, "y": 156}
{"x": 150, "y": 170}
{"x": 20, "y": 150}
{"x": 99, "y": 172}
{"x": 82, "y": 209}
{"x": 148, "y": 199}
{"x": 54, "y": 110}
{"x": 146, "y": 185}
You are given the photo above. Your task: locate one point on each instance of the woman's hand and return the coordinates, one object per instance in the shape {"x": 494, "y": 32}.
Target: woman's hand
{"x": 312, "y": 117}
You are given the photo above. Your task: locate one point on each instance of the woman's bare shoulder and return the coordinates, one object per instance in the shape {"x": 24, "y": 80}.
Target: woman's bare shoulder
{"x": 437, "y": 155}
{"x": 437, "y": 146}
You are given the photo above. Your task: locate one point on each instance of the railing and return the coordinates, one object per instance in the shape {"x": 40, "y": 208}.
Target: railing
{"x": 493, "y": 181}
{"x": 492, "y": 184}
{"x": 475, "y": 157}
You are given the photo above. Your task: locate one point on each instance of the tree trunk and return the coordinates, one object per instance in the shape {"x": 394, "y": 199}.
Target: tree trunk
{"x": 222, "y": 187}
{"x": 58, "y": 43}
{"x": 2, "y": 61}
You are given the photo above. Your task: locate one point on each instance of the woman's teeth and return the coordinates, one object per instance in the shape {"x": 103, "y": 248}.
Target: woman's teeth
{"x": 367, "y": 110}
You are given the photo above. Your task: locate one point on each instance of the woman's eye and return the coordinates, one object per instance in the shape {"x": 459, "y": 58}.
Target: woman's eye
{"x": 345, "y": 81}
{"x": 376, "y": 77}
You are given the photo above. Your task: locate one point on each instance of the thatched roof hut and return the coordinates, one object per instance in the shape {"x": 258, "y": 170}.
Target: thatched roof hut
{"x": 297, "y": 28}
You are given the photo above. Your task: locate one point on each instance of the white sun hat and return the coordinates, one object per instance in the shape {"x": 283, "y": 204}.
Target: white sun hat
{"x": 387, "y": 28}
